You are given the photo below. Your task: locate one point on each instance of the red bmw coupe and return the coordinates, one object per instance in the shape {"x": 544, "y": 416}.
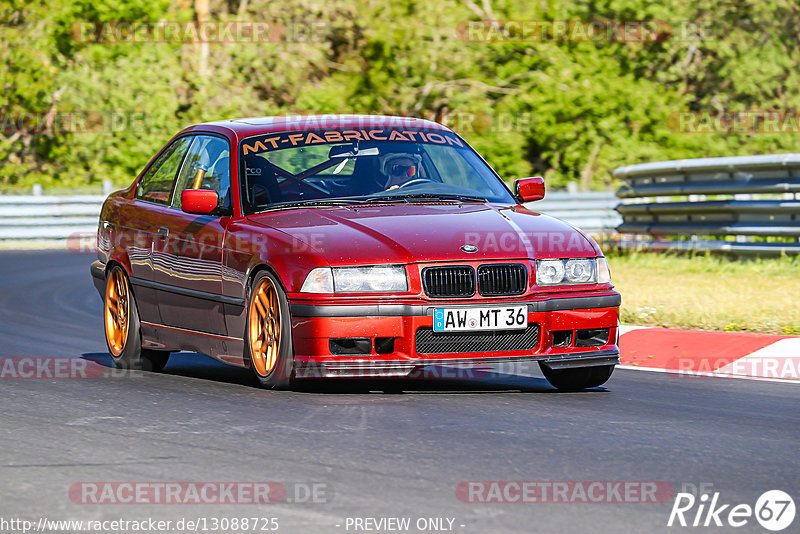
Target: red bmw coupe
{"x": 347, "y": 246}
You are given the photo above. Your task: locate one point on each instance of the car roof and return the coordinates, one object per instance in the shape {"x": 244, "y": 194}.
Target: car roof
{"x": 248, "y": 126}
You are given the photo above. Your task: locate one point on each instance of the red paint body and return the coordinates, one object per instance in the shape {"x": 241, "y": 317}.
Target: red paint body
{"x": 198, "y": 256}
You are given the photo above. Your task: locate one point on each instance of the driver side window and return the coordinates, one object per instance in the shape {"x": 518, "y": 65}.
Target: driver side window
{"x": 207, "y": 166}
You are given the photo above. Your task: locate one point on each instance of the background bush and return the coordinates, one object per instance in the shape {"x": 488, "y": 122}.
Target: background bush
{"x": 571, "y": 111}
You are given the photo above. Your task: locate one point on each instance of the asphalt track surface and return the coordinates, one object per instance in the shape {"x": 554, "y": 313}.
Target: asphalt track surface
{"x": 378, "y": 453}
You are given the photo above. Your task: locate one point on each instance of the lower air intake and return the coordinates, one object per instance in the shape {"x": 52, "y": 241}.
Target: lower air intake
{"x": 430, "y": 342}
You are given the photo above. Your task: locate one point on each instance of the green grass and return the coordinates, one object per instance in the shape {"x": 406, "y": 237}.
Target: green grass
{"x": 709, "y": 292}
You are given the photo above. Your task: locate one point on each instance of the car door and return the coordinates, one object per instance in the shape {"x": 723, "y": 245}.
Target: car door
{"x": 152, "y": 196}
{"x": 187, "y": 253}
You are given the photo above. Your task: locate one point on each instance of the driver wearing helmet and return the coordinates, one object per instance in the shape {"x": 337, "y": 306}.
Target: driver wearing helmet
{"x": 400, "y": 169}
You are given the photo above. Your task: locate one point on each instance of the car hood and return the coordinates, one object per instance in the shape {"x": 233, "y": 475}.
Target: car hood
{"x": 408, "y": 233}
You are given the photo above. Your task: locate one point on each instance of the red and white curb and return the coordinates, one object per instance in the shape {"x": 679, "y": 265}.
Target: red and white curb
{"x": 718, "y": 354}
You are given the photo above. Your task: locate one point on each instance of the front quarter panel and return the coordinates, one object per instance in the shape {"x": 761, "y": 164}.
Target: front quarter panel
{"x": 249, "y": 247}
{"x": 550, "y": 237}
{"x": 112, "y": 231}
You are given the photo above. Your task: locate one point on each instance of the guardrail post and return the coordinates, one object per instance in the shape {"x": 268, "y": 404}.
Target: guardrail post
{"x": 37, "y": 190}
{"x": 108, "y": 187}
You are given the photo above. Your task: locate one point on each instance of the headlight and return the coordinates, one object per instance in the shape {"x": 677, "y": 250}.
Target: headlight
{"x": 377, "y": 278}
{"x": 389, "y": 278}
{"x": 580, "y": 271}
{"x": 572, "y": 271}
{"x": 550, "y": 272}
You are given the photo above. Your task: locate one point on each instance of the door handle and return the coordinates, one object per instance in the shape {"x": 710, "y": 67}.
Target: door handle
{"x": 163, "y": 232}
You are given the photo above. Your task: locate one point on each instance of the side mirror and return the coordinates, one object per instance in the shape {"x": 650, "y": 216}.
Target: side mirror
{"x": 529, "y": 189}
{"x": 199, "y": 201}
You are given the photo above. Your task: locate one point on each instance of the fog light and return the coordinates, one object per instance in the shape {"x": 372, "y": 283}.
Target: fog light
{"x": 591, "y": 337}
{"x": 384, "y": 345}
{"x": 562, "y": 338}
{"x": 351, "y": 345}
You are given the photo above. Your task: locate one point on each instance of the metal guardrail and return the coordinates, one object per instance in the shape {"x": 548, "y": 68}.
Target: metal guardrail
{"x": 593, "y": 212}
{"x": 761, "y": 201}
{"x": 59, "y": 217}
{"x": 45, "y": 217}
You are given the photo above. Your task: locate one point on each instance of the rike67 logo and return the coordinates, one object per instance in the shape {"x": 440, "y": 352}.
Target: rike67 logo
{"x": 774, "y": 510}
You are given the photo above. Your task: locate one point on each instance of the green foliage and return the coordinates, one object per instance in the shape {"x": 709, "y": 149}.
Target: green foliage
{"x": 570, "y": 110}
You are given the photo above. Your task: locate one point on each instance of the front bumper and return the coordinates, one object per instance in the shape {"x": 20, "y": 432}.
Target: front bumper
{"x": 315, "y": 325}
{"x": 415, "y": 368}
{"x": 98, "y": 270}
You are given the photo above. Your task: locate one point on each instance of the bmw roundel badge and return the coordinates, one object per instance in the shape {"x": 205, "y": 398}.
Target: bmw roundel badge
{"x": 469, "y": 248}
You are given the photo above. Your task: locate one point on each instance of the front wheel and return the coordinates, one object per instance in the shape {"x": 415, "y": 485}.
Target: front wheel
{"x": 269, "y": 333}
{"x": 578, "y": 378}
{"x": 122, "y": 327}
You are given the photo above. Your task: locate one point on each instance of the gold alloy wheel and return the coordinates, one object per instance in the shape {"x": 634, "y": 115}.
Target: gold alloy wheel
{"x": 265, "y": 327}
{"x": 117, "y": 311}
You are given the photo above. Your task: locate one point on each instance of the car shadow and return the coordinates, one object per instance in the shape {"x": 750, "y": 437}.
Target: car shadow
{"x": 428, "y": 380}
{"x": 191, "y": 365}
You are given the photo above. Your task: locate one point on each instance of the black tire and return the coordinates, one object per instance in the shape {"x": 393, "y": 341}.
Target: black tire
{"x": 132, "y": 355}
{"x": 280, "y": 374}
{"x": 578, "y": 378}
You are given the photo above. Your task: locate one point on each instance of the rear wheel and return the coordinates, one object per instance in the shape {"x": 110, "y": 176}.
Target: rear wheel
{"x": 578, "y": 378}
{"x": 122, "y": 327}
{"x": 269, "y": 333}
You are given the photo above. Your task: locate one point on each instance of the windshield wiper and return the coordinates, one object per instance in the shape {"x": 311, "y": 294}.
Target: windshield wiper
{"x": 410, "y": 198}
{"x": 313, "y": 203}
{"x": 425, "y": 197}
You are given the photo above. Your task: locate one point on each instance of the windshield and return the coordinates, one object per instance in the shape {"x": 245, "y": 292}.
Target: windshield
{"x": 374, "y": 165}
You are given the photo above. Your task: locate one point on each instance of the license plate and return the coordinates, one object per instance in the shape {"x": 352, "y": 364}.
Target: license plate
{"x": 471, "y": 319}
